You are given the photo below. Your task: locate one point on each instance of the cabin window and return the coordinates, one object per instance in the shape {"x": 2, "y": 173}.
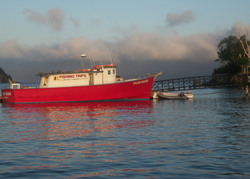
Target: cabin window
{"x": 109, "y": 72}
{"x": 114, "y": 71}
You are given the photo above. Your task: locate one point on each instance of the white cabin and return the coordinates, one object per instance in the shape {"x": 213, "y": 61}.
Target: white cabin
{"x": 100, "y": 74}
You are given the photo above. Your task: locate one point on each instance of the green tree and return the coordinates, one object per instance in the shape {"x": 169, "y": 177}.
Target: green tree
{"x": 232, "y": 55}
{"x": 245, "y": 45}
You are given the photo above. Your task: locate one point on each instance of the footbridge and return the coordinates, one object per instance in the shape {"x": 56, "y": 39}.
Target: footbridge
{"x": 180, "y": 84}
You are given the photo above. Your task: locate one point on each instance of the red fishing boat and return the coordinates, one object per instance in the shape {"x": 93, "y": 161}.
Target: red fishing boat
{"x": 97, "y": 84}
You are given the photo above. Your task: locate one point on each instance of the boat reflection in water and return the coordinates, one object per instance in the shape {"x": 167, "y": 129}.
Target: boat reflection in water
{"x": 59, "y": 132}
{"x": 63, "y": 120}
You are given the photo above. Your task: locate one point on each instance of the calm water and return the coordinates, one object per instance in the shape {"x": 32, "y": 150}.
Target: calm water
{"x": 207, "y": 137}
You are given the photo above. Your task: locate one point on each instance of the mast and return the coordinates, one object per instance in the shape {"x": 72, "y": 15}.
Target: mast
{"x": 83, "y": 55}
{"x": 111, "y": 60}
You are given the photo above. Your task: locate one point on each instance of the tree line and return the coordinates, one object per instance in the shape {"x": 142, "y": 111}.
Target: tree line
{"x": 234, "y": 53}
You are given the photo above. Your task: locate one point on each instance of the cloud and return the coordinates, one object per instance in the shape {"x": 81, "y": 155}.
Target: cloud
{"x": 35, "y": 16}
{"x": 67, "y": 50}
{"x": 240, "y": 28}
{"x": 173, "y": 19}
{"x": 138, "y": 46}
{"x": 125, "y": 30}
{"x": 74, "y": 21}
{"x": 135, "y": 54}
{"x": 146, "y": 46}
{"x": 142, "y": 51}
{"x": 97, "y": 22}
{"x": 54, "y": 18}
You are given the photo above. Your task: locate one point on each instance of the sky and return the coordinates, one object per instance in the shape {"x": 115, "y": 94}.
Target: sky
{"x": 178, "y": 37}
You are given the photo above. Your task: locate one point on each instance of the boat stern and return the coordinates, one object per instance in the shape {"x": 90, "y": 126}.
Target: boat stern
{"x": 8, "y": 96}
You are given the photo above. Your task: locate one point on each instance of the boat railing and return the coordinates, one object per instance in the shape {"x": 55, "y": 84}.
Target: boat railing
{"x": 132, "y": 79}
{"x": 28, "y": 87}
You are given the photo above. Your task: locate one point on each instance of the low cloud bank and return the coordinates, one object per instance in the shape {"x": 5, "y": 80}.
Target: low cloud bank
{"x": 157, "y": 51}
{"x": 139, "y": 46}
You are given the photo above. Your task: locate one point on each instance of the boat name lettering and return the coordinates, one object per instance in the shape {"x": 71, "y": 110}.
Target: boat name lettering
{"x": 72, "y": 76}
{"x": 140, "y": 82}
{"x": 6, "y": 93}
{"x": 80, "y": 75}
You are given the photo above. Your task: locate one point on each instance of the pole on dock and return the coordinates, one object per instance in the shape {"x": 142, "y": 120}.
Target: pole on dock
{"x": 247, "y": 90}
{"x": 248, "y": 81}
{"x": 246, "y": 77}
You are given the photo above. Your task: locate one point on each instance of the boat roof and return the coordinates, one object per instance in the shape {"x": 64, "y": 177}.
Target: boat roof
{"x": 41, "y": 74}
{"x": 95, "y": 69}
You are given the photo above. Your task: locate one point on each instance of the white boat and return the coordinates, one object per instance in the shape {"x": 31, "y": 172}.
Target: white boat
{"x": 172, "y": 96}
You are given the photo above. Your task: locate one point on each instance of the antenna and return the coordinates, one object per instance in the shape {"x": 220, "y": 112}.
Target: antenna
{"x": 83, "y": 55}
{"x": 91, "y": 61}
{"x": 92, "y": 57}
{"x": 110, "y": 57}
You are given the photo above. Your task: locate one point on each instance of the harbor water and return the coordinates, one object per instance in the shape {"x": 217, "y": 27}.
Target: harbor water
{"x": 207, "y": 137}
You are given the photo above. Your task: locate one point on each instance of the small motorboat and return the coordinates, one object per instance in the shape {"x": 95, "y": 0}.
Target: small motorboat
{"x": 172, "y": 96}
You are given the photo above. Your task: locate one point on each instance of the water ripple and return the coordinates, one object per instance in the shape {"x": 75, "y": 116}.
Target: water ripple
{"x": 207, "y": 137}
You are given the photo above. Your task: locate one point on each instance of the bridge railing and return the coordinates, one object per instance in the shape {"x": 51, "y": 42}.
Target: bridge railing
{"x": 179, "y": 84}
{"x": 201, "y": 82}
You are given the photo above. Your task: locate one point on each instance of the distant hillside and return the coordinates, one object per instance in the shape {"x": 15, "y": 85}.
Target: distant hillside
{"x": 4, "y": 78}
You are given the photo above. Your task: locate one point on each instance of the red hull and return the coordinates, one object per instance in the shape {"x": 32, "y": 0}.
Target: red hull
{"x": 138, "y": 90}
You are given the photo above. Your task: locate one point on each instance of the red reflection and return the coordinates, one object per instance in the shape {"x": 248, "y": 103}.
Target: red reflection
{"x": 60, "y": 121}
{"x": 63, "y": 120}
{"x": 115, "y": 172}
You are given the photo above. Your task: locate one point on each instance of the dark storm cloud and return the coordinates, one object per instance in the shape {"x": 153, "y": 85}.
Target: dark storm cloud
{"x": 173, "y": 19}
